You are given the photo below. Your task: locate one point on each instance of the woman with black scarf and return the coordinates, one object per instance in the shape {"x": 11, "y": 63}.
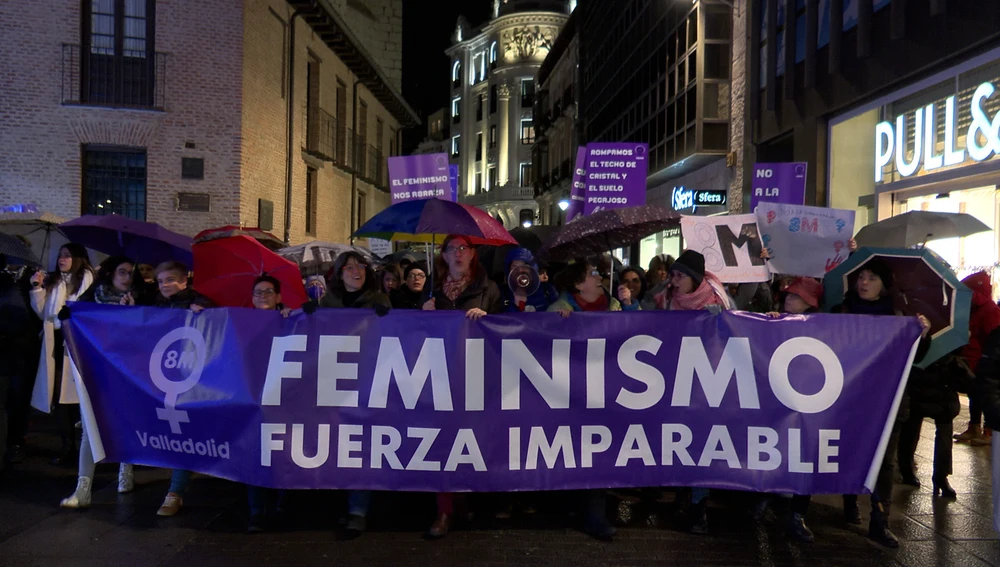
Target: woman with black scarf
{"x": 871, "y": 296}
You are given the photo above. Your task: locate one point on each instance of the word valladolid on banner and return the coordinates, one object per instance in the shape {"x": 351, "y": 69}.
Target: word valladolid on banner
{"x": 430, "y": 401}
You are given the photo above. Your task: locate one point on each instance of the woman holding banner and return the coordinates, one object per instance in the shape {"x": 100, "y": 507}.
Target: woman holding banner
{"x": 692, "y": 288}
{"x": 113, "y": 287}
{"x": 870, "y": 296}
{"x": 460, "y": 284}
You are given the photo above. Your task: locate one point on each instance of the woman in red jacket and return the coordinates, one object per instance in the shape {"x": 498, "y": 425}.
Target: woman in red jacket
{"x": 985, "y": 317}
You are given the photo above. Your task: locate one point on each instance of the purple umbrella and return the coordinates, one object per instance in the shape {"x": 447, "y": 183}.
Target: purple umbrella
{"x": 606, "y": 230}
{"x": 145, "y": 242}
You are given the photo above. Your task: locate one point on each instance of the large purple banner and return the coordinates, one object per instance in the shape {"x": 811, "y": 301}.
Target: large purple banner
{"x": 578, "y": 191}
{"x": 615, "y": 175}
{"x": 431, "y": 401}
{"x": 424, "y": 176}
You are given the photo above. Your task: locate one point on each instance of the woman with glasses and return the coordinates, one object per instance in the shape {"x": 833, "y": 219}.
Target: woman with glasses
{"x": 460, "y": 284}
{"x": 411, "y": 294}
{"x": 353, "y": 285}
{"x": 581, "y": 289}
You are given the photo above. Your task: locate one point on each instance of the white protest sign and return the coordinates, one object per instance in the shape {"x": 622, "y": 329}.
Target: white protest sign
{"x": 379, "y": 247}
{"x": 804, "y": 241}
{"x": 730, "y": 245}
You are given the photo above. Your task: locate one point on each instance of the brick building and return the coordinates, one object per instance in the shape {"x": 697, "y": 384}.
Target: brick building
{"x": 177, "y": 112}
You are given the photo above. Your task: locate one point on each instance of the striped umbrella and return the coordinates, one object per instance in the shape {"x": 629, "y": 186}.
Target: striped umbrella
{"x": 432, "y": 220}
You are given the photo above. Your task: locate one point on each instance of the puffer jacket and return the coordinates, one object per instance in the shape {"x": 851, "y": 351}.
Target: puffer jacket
{"x": 984, "y": 319}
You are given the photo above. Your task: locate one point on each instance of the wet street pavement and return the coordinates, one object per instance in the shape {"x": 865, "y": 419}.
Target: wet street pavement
{"x": 124, "y": 530}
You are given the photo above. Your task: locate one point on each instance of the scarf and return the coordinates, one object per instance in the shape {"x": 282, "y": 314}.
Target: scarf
{"x": 856, "y": 306}
{"x": 454, "y": 288}
{"x": 108, "y": 294}
{"x": 601, "y": 304}
{"x": 59, "y": 295}
{"x": 710, "y": 292}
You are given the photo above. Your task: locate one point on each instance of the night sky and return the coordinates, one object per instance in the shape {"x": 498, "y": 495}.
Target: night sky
{"x": 427, "y": 29}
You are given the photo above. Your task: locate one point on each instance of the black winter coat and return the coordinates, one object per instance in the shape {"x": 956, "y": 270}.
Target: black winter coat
{"x": 987, "y": 387}
{"x": 482, "y": 293}
{"x": 183, "y": 299}
{"x": 367, "y": 300}
{"x": 405, "y": 298}
{"x": 931, "y": 393}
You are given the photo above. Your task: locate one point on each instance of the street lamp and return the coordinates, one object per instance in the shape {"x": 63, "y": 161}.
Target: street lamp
{"x": 563, "y": 204}
{"x": 526, "y": 223}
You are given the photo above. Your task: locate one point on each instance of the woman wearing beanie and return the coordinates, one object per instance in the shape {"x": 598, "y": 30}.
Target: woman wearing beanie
{"x": 870, "y": 295}
{"x": 692, "y": 288}
{"x": 410, "y": 295}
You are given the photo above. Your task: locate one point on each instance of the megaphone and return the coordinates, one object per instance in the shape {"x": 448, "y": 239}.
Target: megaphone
{"x": 523, "y": 280}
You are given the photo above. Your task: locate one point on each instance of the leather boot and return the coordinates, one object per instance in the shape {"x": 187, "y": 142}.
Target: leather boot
{"x": 878, "y": 527}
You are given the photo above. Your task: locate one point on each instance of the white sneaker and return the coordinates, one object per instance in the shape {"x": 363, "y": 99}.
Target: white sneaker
{"x": 81, "y": 497}
{"x": 126, "y": 478}
{"x": 171, "y": 505}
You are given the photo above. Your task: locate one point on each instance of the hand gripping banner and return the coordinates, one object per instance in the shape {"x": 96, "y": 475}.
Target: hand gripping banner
{"x": 430, "y": 401}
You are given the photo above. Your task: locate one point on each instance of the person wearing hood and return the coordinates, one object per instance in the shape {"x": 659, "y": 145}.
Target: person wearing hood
{"x": 871, "y": 295}
{"x": 983, "y": 320}
{"x": 114, "y": 286}
{"x": 410, "y": 295}
{"x": 315, "y": 287}
{"x": 538, "y": 301}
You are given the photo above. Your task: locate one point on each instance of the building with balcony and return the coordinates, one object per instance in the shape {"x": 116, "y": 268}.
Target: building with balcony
{"x": 437, "y": 138}
{"x": 663, "y": 73}
{"x": 265, "y": 112}
{"x": 492, "y": 101}
{"x": 556, "y": 133}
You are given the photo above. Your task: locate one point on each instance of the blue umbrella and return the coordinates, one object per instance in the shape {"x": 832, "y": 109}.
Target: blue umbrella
{"x": 145, "y": 242}
{"x": 922, "y": 284}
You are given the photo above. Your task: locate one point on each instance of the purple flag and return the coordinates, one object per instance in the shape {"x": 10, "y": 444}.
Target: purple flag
{"x": 616, "y": 175}
{"x": 778, "y": 183}
{"x": 431, "y": 401}
{"x": 422, "y": 176}
{"x": 578, "y": 192}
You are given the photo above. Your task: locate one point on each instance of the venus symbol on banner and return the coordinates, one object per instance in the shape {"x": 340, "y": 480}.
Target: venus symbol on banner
{"x": 192, "y": 360}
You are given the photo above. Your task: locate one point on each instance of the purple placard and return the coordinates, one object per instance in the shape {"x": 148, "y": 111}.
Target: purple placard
{"x": 424, "y": 176}
{"x": 616, "y": 175}
{"x": 779, "y": 183}
{"x": 578, "y": 192}
{"x": 432, "y": 401}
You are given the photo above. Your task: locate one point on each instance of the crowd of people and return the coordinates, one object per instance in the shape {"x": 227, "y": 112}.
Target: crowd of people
{"x": 36, "y": 371}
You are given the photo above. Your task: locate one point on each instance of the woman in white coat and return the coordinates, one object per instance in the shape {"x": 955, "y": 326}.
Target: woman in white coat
{"x": 54, "y": 385}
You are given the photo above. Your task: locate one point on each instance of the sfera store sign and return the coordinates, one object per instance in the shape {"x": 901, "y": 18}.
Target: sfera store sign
{"x": 683, "y": 198}
{"x": 982, "y": 138}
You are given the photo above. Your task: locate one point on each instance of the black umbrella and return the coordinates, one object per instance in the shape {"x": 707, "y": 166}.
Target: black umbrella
{"x": 606, "y": 230}
{"x": 16, "y": 251}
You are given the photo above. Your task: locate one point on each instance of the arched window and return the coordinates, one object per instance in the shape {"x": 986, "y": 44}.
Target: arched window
{"x": 493, "y": 55}
{"x": 456, "y": 73}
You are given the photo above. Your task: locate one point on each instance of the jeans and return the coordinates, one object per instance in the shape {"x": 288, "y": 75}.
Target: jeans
{"x": 358, "y": 502}
{"x": 179, "y": 481}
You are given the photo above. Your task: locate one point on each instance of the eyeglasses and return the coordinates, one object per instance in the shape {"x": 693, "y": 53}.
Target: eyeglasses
{"x": 416, "y": 276}
{"x": 263, "y": 293}
{"x": 454, "y": 249}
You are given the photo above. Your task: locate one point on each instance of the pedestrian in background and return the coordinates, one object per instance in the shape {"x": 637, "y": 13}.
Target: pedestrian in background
{"x": 19, "y": 345}
{"x": 983, "y": 320}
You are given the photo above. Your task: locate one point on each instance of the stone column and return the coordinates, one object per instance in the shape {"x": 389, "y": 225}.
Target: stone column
{"x": 740, "y": 142}
{"x": 503, "y": 156}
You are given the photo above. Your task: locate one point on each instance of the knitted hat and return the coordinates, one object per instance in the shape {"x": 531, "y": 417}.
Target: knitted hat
{"x": 808, "y": 289}
{"x": 878, "y": 267}
{"x": 420, "y": 265}
{"x": 691, "y": 264}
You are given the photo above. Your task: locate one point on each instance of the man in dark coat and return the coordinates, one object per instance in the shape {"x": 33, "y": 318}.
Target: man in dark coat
{"x": 987, "y": 394}
{"x": 19, "y": 346}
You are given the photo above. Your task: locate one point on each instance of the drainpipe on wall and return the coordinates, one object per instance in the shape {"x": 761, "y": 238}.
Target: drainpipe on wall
{"x": 354, "y": 170}
{"x": 291, "y": 118}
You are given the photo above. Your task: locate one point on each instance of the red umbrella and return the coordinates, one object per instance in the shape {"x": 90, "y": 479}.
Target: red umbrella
{"x": 266, "y": 238}
{"x": 225, "y": 269}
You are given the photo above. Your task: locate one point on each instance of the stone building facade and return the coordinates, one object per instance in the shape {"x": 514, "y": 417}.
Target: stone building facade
{"x": 183, "y": 117}
{"x": 491, "y": 109}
